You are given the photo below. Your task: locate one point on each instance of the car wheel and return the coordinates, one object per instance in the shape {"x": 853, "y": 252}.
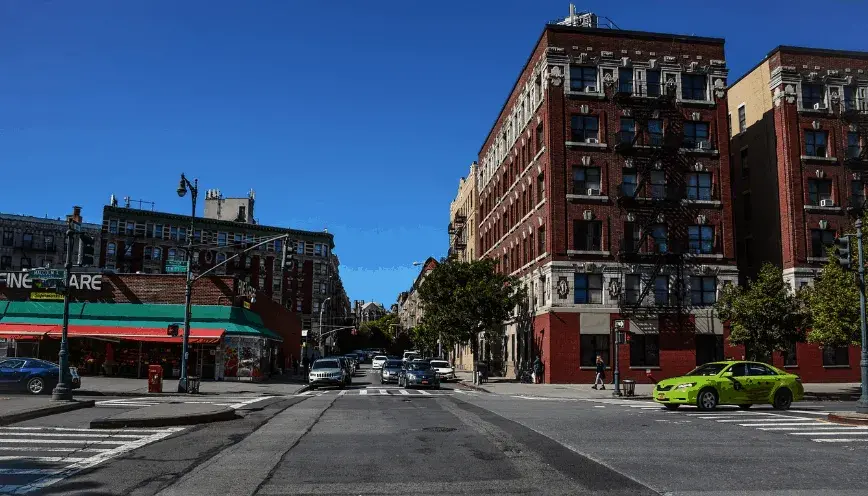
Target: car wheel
{"x": 783, "y": 399}
{"x": 36, "y": 385}
{"x": 671, "y": 406}
{"x": 707, "y": 399}
{"x": 745, "y": 406}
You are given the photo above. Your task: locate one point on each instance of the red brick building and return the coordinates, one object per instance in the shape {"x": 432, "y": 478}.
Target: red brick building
{"x": 602, "y": 185}
{"x": 799, "y": 131}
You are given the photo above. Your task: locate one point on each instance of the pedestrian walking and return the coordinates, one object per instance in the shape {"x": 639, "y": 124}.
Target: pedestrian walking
{"x": 601, "y": 373}
{"x": 537, "y": 371}
{"x": 305, "y": 363}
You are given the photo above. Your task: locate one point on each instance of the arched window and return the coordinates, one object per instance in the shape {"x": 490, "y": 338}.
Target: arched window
{"x": 172, "y": 254}
{"x": 110, "y": 249}
{"x": 221, "y": 257}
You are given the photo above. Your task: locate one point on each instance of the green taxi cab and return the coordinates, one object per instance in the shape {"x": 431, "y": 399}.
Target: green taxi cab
{"x": 741, "y": 383}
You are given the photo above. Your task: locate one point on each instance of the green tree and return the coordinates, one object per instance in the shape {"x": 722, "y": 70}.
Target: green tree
{"x": 462, "y": 300}
{"x": 766, "y": 316}
{"x": 424, "y": 337}
{"x": 833, "y": 302}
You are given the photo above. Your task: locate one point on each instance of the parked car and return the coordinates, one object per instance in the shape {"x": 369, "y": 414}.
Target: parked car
{"x": 391, "y": 371}
{"x": 327, "y": 372}
{"x": 445, "y": 370}
{"x": 731, "y": 383}
{"x": 418, "y": 374}
{"x": 32, "y": 375}
{"x": 378, "y": 362}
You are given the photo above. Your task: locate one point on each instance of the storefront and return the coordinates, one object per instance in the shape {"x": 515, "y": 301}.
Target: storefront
{"x": 122, "y": 339}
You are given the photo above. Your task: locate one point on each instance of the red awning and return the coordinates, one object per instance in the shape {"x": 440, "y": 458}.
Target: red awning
{"x": 149, "y": 334}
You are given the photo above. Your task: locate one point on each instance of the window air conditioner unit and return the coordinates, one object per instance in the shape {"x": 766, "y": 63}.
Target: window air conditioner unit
{"x": 590, "y": 89}
{"x": 591, "y": 140}
{"x": 703, "y": 145}
{"x": 827, "y": 203}
{"x": 819, "y": 106}
{"x": 593, "y": 192}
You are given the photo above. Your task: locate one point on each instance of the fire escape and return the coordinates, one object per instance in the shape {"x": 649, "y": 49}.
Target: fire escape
{"x": 656, "y": 239}
{"x": 457, "y": 236}
{"x": 853, "y": 113}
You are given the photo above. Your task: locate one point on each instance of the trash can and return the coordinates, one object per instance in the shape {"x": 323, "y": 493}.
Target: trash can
{"x": 155, "y": 379}
{"x": 629, "y": 387}
{"x": 193, "y": 384}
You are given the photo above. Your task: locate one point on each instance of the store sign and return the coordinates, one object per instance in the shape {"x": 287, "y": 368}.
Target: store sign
{"x": 45, "y": 296}
{"x": 23, "y": 280}
{"x": 246, "y": 290}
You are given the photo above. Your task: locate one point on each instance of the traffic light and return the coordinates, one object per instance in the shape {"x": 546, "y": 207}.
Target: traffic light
{"x": 172, "y": 330}
{"x": 85, "y": 252}
{"x": 842, "y": 251}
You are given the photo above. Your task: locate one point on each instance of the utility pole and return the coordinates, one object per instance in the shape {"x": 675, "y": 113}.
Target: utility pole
{"x": 862, "y": 404}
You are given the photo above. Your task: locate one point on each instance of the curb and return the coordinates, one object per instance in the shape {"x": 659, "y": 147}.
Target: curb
{"x": 33, "y": 413}
{"x": 473, "y": 388}
{"x": 831, "y": 397}
{"x": 202, "y": 418}
{"x": 139, "y": 395}
{"x": 303, "y": 389}
{"x": 846, "y": 419}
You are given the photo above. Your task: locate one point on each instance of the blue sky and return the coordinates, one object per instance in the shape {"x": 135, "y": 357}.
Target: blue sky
{"x": 356, "y": 116}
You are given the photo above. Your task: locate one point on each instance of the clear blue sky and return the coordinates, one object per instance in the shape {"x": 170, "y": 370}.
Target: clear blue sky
{"x": 356, "y": 116}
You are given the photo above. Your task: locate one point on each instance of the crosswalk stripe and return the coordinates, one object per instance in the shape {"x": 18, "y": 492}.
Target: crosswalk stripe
{"x": 404, "y": 392}
{"x": 423, "y": 392}
{"x": 67, "y": 434}
{"x": 836, "y": 433}
{"x": 839, "y": 440}
{"x": 363, "y": 392}
{"x": 777, "y": 427}
{"x": 75, "y": 429}
{"x": 343, "y": 392}
{"x": 53, "y": 449}
{"x": 45, "y": 459}
{"x": 782, "y": 419}
{"x": 61, "y": 441}
{"x": 30, "y": 471}
{"x": 383, "y": 391}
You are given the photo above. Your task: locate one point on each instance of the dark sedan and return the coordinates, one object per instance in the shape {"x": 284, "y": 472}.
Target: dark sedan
{"x": 32, "y": 375}
{"x": 419, "y": 374}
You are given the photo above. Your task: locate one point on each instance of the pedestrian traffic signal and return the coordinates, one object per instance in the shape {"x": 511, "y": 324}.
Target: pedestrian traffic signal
{"x": 85, "y": 251}
{"x": 172, "y": 330}
{"x": 842, "y": 251}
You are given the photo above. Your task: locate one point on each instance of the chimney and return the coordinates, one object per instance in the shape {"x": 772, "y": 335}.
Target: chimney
{"x": 572, "y": 11}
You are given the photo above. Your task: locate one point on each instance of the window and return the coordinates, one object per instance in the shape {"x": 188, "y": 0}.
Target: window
{"x": 182, "y": 234}
{"x": 658, "y": 184}
{"x": 27, "y": 240}
{"x": 836, "y": 356}
{"x": 587, "y": 235}
{"x": 586, "y": 180}
{"x": 113, "y": 226}
{"x": 8, "y": 238}
{"x": 696, "y": 135}
{"x": 242, "y": 213}
{"x": 645, "y": 350}
{"x": 317, "y": 249}
{"x": 149, "y": 230}
{"x": 791, "y": 357}
{"x": 583, "y": 128}
{"x": 173, "y": 232}
{"x": 583, "y": 79}
{"x": 299, "y": 247}
{"x": 278, "y": 245}
{"x": 148, "y": 253}
{"x": 693, "y": 87}
{"x": 628, "y": 131}
{"x": 729, "y": 125}
{"x": 857, "y": 194}
{"x": 632, "y": 288}
{"x": 632, "y": 237}
{"x": 221, "y": 257}
{"x": 655, "y": 132}
{"x": 111, "y": 249}
{"x": 849, "y": 98}
{"x": 197, "y": 235}
{"x": 238, "y": 239}
{"x": 625, "y": 80}
{"x": 158, "y": 231}
{"x": 701, "y": 239}
{"x": 819, "y": 190}
{"x": 540, "y": 187}
{"x": 539, "y": 136}
{"x": 813, "y": 95}
{"x": 629, "y": 183}
{"x": 709, "y": 348}
{"x": 158, "y": 253}
{"x": 541, "y": 240}
{"x": 588, "y": 288}
{"x": 592, "y": 346}
{"x": 660, "y": 234}
{"x": 745, "y": 164}
{"x": 699, "y": 186}
{"x": 221, "y": 239}
{"x": 131, "y": 228}
{"x": 661, "y": 290}
{"x": 703, "y": 290}
{"x": 652, "y": 83}
{"x": 172, "y": 255}
{"x": 821, "y": 241}
{"x": 815, "y": 143}
{"x": 5, "y": 262}
{"x": 854, "y": 149}
{"x": 49, "y": 242}
{"x": 742, "y": 119}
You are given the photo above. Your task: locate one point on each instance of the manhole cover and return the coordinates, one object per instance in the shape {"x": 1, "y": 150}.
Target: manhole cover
{"x": 438, "y": 429}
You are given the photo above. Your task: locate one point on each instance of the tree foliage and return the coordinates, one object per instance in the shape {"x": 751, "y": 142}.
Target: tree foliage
{"x": 834, "y": 307}
{"x": 463, "y": 299}
{"x": 765, "y": 316}
{"x": 372, "y": 334}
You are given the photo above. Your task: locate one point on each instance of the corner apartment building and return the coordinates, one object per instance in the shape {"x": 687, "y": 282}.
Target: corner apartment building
{"x": 135, "y": 240}
{"x": 602, "y": 185}
{"x": 799, "y": 133}
{"x": 410, "y": 308}
{"x": 28, "y": 242}
{"x": 462, "y": 219}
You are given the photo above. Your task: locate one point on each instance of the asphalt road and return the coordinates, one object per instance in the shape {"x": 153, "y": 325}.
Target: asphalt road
{"x": 450, "y": 443}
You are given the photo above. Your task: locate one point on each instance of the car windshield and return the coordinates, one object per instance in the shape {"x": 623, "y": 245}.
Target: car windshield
{"x": 419, "y": 366}
{"x": 394, "y": 365}
{"x": 443, "y": 365}
{"x": 708, "y": 369}
{"x": 379, "y": 358}
{"x": 326, "y": 364}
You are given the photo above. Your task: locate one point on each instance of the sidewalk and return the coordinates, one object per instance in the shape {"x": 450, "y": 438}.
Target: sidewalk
{"x": 119, "y": 386}
{"x": 21, "y": 407}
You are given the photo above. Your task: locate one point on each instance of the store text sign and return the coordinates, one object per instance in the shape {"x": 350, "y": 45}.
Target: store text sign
{"x": 22, "y": 280}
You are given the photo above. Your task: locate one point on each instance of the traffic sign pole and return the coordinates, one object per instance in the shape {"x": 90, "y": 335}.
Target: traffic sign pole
{"x": 63, "y": 390}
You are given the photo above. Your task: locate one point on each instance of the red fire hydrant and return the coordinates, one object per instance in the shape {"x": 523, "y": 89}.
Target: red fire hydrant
{"x": 155, "y": 379}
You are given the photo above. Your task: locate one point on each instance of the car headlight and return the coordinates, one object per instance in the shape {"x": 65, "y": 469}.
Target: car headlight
{"x": 686, "y": 385}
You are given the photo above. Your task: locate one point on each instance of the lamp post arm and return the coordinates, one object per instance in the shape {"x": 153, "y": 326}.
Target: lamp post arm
{"x": 233, "y": 257}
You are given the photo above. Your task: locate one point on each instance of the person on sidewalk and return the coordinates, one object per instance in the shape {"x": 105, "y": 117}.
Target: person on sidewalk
{"x": 601, "y": 374}
{"x": 537, "y": 371}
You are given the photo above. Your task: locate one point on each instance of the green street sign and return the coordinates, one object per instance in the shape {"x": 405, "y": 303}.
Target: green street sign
{"x": 176, "y": 267}
{"x": 48, "y": 274}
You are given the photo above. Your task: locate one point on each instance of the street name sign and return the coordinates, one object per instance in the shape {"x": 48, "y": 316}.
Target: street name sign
{"x": 48, "y": 274}
{"x": 176, "y": 267}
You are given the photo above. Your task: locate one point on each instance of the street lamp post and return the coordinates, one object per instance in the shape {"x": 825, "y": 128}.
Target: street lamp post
{"x": 321, "y": 340}
{"x": 184, "y": 185}
{"x": 862, "y": 404}
{"x": 63, "y": 390}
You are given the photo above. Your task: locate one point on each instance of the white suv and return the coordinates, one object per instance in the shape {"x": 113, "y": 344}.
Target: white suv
{"x": 378, "y": 362}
